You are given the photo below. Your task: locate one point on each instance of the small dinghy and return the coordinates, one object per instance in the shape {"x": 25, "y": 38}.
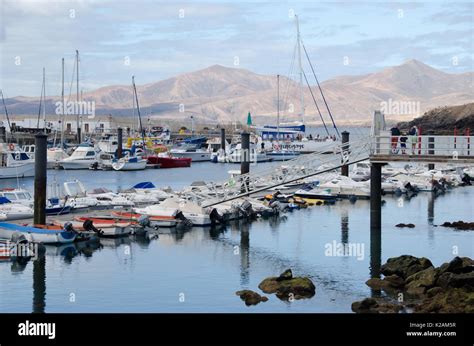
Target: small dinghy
{"x": 104, "y": 227}
{"x": 38, "y": 235}
{"x": 154, "y": 221}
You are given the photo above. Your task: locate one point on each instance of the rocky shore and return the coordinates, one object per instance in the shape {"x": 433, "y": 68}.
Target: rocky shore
{"x": 414, "y": 284}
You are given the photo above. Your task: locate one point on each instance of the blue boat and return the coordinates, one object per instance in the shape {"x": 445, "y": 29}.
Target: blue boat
{"x": 38, "y": 235}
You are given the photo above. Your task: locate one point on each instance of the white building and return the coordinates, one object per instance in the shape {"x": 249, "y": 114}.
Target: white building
{"x": 88, "y": 126}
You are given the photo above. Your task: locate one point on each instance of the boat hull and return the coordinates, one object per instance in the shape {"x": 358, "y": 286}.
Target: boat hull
{"x": 170, "y": 162}
{"x": 20, "y": 171}
{"x": 37, "y": 235}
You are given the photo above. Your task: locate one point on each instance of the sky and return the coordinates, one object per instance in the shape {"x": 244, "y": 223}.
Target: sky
{"x": 155, "y": 40}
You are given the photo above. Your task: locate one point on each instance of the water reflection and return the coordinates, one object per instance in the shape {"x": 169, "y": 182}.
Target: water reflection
{"x": 244, "y": 253}
{"x": 39, "y": 285}
{"x": 344, "y": 227}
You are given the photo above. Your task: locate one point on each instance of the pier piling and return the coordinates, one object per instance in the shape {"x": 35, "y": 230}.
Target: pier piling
{"x": 431, "y": 151}
{"x": 40, "y": 179}
{"x": 245, "y": 159}
{"x": 375, "y": 218}
{"x": 376, "y": 196}
{"x": 223, "y": 139}
{"x": 120, "y": 142}
{"x": 345, "y": 152}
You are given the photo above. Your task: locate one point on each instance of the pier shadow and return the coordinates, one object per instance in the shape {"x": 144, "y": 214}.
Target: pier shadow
{"x": 39, "y": 285}
{"x": 244, "y": 254}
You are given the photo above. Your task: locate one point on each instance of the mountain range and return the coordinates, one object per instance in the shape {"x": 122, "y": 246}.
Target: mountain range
{"x": 223, "y": 94}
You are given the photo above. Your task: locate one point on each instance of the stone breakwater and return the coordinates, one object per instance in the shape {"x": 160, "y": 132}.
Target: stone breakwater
{"x": 414, "y": 284}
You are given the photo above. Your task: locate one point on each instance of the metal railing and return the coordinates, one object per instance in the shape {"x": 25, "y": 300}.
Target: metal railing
{"x": 447, "y": 146}
{"x": 294, "y": 170}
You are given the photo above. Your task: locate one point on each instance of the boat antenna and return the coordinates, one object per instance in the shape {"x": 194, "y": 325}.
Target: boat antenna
{"x": 64, "y": 106}
{"x": 6, "y": 111}
{"x": 78, "y": 126}
{"x": 138, "y": 112}
{"x": 41, "y": 105}
{"x": 298, "y": 42}
{"x": 321, "y": 91}
{"x": 278, "y": 108}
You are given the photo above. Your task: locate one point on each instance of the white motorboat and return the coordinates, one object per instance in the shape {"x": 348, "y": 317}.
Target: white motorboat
{"x": 14, "y": 211}
{"x": 129, "y": 163}
{"x": 104, "y": 162}
{"x": 83, "y": 157}
{"x": 345, "y": 187}
{"x": 237, "y": 155}
{"x": 172, "y": 206}
{"x": 55, "y": 156}
{"x": 15, "y": 163}
{"x": 197, "y": 155}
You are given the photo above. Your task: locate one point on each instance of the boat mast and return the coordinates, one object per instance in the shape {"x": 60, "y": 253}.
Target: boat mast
{"x": 138, "y": 112}
{"x": 62, "y": 96}
{"x": 298, "y": 43}
{"x": 278, "y": 108}
{"x": 44, "y": 99}
{"x": 78, "y": 126}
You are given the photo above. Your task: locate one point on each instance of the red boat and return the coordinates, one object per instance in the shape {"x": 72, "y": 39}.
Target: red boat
{"x": 169, "y": 162}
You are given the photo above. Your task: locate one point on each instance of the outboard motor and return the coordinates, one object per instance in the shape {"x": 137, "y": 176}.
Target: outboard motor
{"x": 144, "y": 221}
{"x": 466, "y": 179}
{"x": 216, "y": 217}
{"x": 89, "y": 226}
{"x": 184, "y": 221}
{"x": 18, "y": 238}
{"x": 276, "y": 206}
{"x": 246, "y": 209}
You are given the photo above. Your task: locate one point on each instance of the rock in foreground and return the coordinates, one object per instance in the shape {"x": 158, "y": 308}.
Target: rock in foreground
{"x": 250, "y": 297}
{"x": 286, "y": 286}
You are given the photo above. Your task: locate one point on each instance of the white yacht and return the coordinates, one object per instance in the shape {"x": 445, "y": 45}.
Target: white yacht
{"x": 14, "y": 162}
{"x": 83, "y": 157}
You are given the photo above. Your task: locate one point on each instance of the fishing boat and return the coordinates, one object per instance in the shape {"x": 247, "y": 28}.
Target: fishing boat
{"x": 15, "y": 163}
{"x": 83, "y": 157}
{"x": 38, "y": 235}
{"x": 106, "y": 227}
{"x": 129, "y": 163}
{"x": 167, "y": 161}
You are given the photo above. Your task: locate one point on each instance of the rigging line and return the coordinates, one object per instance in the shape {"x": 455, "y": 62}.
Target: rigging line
{"x": 40, "y": 106}
{"x": 320, "y": 90}
{"x": 290, "y": 73}
{"x": 139, "y": 116}
{"x": 317, "y": 107}
{"x": 6, "y": 111}
{"x": 72, "y": 81}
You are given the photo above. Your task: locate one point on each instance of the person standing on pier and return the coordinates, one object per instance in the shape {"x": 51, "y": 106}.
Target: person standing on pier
{"x": 395, "y": 134}
{"x": 403, "y": 143}
{"x": 413, "y": 138}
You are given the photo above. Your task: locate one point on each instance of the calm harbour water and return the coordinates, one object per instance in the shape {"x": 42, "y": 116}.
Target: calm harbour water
{"x": 201, "y": 269}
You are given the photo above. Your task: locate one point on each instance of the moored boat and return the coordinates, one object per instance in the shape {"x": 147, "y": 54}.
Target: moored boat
{"x": 38, "y": 235}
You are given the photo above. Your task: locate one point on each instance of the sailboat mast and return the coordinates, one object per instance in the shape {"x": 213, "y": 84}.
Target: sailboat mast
{"x": 44, "y": 99}
{"x": 138, "y": 112}
{"x": 78, "y": 126}
{"x": 298, "y": 42}
{"x": 278, "y": 107}
{"x": 62, "y": 97}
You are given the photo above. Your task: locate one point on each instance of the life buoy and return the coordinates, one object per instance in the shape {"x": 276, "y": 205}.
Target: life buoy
{"x": 11, "y": 146}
